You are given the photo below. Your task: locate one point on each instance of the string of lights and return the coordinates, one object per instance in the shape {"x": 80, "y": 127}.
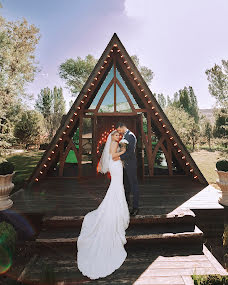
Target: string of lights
{"x": 106, "y": 133}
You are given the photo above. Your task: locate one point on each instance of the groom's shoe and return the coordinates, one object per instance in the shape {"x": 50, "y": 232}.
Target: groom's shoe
{"x": 134, "y": 212}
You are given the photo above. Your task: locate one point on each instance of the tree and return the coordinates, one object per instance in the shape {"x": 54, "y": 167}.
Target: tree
{"x": 44, "y": 102}
{"x": 51, "y": 105}
{"x": 146, "y": 72}
{"x": 18, "y": 42}
{"x": 206, "y": 130}
{"x": 220, "y": 129}
{"x": 59, "y": 107}
{"x": 30, "y": 129}
{"x": 76, "y": 71}
{"x": 161, "y": 99}
{"x": 185, "y": 98}
{"x": 218, "y": 86}
{"x": 184, "y": 124}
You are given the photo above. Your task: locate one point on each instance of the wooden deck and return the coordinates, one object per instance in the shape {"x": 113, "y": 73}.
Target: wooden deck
{"x": 164, "y": 244}
{"x": 68, "y": 196}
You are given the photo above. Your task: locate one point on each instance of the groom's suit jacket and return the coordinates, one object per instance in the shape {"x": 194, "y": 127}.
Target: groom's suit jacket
{"x": 129, "y": 156}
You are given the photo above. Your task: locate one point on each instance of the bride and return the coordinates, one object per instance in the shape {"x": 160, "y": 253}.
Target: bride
{"x": 101, "y": 241}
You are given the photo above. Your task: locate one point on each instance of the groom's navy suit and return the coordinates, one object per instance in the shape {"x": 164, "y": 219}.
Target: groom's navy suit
{"x": 130, "y": 169}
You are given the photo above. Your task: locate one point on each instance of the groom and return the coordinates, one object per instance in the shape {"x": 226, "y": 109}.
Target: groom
{"x": 130, "y": 167}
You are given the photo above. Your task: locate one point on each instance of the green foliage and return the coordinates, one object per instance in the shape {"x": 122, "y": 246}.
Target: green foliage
{"x": 6, "y": 167}
{"x": 221, "y": 123}
{"x": 51, "y": 105}
{"x": 44, "y": 102}
{"x": 186, "y": 99}
{"x": 184, "y": 124}
{"x": 47, "y": 275}
{"x": 222, "y": 165}
{"x": 8, "y": 237}
{"x": 161, "y": 100}
{"x": 18, "y": 42}
{"x": 76, "y": 72}
{"x": 30, "y": 129}
{"x": 206, "y": 130}
{"x": 218, "y": 86}
{"x": 146, "y": 72}
{"x": 211, "y": 279}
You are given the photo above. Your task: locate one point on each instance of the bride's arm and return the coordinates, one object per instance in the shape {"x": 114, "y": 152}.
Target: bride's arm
{"x": 113, "y": 150}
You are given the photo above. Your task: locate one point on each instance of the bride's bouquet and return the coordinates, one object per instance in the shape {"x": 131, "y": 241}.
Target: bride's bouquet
{"x": 123, "y": 144}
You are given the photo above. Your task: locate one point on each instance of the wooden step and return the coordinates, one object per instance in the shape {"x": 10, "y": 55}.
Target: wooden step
{"x": 178, "y": 216}
{"x": 154, "y": 264}
{"x": 144, "y": 235}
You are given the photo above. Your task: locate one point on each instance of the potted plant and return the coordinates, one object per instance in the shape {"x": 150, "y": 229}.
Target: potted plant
{"x": 6, "y": 185}
{"x": 222, "y": 170}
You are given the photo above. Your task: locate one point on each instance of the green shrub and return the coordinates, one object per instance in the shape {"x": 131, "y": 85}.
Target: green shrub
{"x": 212, "y": 279}
{"x": 6, "y": 167}
{"x": 222, "y": 165}
{"x": 8, "y": 236}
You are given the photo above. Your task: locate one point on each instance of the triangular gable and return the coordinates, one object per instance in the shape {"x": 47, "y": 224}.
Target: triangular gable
{"x": 142, "y": 95}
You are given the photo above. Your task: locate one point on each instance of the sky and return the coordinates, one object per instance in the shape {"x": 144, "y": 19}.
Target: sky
{"x": 178, "y": 39}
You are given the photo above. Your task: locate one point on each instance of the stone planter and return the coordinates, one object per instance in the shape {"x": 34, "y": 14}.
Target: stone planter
{"x": 6, "y": 187}
{"x": 223, "y": 185}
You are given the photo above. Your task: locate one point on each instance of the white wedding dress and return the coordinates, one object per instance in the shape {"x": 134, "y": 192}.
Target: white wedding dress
{"x": 101, "y": 241}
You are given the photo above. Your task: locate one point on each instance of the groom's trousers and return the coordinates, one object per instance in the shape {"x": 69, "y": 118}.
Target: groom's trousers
{"x": 131, "y": 184}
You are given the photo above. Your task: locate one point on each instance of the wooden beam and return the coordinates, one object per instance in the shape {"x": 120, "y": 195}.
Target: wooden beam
{"x": 94, "y": 111}
{"x": 61, "y": 161}
{"x": 103, "y": 95}
{"x": 114, "y": 114}
{"x": 114, "y": 65}
{"x": 126, "y": 95}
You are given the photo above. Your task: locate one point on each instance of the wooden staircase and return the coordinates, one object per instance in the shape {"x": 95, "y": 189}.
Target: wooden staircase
{"x": 177, "y": 228}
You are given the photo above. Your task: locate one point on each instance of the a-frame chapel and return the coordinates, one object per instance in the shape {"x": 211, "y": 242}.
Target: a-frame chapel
{"x": 115, "y": 91}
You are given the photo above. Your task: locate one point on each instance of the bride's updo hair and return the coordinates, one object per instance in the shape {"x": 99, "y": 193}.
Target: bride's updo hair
{"x": 113, "y": 132}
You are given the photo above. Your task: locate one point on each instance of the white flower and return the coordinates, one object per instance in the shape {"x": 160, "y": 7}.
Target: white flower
{"x": 123, "y": 141}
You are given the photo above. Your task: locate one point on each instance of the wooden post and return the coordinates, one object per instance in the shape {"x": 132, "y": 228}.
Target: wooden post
{"x": 140, "y": 156}
{"x": 114, "y": 65}
{"x": 150, "y": 164}
{"x": 80, "y": 145}
{"x": 95, "y": 141}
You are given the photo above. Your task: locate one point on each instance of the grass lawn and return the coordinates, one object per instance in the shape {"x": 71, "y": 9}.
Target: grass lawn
{"x": 24, "y": 164}
{"x": 206, "y": 161}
